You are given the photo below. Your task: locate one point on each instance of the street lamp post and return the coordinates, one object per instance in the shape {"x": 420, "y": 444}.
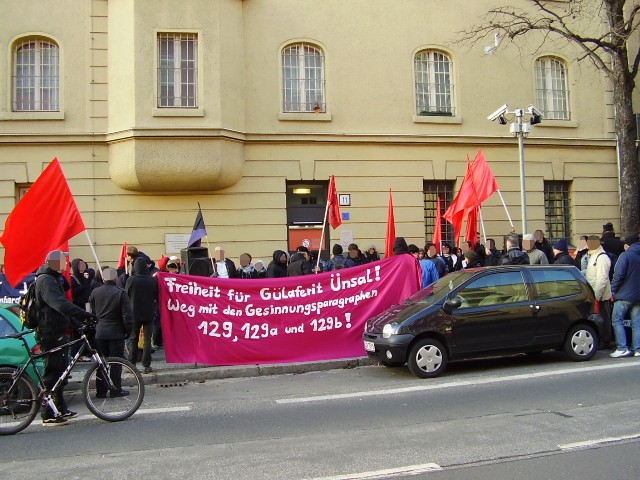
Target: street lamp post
{"x": 521, "y": 121}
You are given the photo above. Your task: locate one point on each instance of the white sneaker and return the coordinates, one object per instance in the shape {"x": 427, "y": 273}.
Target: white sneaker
{"x": 620, "y": 353}
{"x": 637, "y": 354}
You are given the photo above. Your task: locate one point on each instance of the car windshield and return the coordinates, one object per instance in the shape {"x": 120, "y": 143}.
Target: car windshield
{"x": 441, "y": 288}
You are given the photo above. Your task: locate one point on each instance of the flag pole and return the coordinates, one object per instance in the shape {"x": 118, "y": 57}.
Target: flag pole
{"x": 209, "y": 249}
{"x": 505, "y": 209}
{"x": 484, "y": 232}
{"x": 324, "y": 226}
{"x": 93, "y": 250}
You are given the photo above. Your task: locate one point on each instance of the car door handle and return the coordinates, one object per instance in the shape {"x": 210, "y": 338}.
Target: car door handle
{"x": 535, "y": 307}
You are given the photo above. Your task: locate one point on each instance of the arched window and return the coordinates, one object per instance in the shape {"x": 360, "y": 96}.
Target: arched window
{"x": 302, "y": 79}
{"x": 434, "y": 83}
{"x": 552, "y": 90}
{"x": 36, "y": 75}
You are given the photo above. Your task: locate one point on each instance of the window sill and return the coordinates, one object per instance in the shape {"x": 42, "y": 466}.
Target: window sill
{"x": 31, "y": 115}
{"x": 178, "y": 112}
{"x": 558, "y": 123}
{"x": 305, "y": 117}
{"x": 436, "y": 119}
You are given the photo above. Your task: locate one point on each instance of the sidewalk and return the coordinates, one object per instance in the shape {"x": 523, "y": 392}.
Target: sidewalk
{"x": 169, "y": 374}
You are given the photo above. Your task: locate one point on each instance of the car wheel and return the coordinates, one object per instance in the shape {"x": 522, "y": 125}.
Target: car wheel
{"x": 581, "y": 343}
{"x": 428, "y": 358}
{"x": 392, "y": 364}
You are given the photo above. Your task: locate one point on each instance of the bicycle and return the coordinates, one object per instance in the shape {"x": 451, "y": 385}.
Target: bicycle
{"x": 102, "y": 387}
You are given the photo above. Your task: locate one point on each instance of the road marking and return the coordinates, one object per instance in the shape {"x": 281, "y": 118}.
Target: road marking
{"x": 459, "y": 383}
{"x": 391, "y": 472}
{"x": 141, "y": 411}
{"x": 600, "y": 441}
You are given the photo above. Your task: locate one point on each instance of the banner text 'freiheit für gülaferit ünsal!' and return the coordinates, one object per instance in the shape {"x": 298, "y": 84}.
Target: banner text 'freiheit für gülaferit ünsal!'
{"x": 296, "y": 319}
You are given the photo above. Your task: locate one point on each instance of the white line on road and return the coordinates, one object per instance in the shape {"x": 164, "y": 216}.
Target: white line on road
{"x": 141, "y": 411}
{"x": 600, "y": 441}
{"x": 391, "y": 472}
{"x": 459, "y": 383}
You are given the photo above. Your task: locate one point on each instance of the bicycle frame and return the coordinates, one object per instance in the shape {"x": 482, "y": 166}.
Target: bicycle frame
{"x": 45, "y": 395}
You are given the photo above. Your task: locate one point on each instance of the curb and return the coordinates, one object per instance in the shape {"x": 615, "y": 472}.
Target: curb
{"x": 199, "y": 374}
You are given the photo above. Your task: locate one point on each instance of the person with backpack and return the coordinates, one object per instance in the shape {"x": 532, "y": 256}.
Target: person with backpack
{"x": 57, "y": 314}
{"x": 337, "y": 262}
{"x": 432, "y": 254}
{"x": 597, "y": 274}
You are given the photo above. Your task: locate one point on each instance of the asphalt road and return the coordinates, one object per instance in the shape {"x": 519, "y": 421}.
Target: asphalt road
{"x": 520, "y": 417}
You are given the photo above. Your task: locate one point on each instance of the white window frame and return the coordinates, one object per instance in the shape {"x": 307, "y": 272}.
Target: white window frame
{"x": 552, "y": 88}
{"x": 42, "y": 83}
{"x": 303, "y": 92}
{"x": 434, "y": 85}
{"x": 185, "y": 77}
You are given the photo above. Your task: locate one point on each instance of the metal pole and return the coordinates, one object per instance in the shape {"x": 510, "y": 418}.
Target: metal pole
{"x": 523, "y": 190}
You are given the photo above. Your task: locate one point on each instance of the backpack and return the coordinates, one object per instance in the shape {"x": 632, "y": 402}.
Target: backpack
{"x": 30, "y": 312}
{"x": 338, "y": 266}
{"x": 613, "y": 258}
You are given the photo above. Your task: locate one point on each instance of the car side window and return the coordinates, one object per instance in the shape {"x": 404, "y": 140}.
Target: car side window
{"x": 554, "y": 283}
{"x": 494, "y": 289}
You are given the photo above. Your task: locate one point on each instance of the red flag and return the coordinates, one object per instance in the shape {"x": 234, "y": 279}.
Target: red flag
{"x": 335, "y": 219}
{"x": 67, "y": 273}
{"x": 472, "y": 226}
{"x": 437, "y": 230}
{"x": 463, "y": 200}
{"x": 45, "y": 218}
{"x": 122, "y": 261}
{"x": 484, "y": 183}
{"x": 391, "y": 228}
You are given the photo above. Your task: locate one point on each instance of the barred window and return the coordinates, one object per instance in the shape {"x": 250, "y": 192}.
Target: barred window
{"x": 178, "y": 70}
{"x": 434, "y": 190}
{"x": 434, "y": 84}
{"x": 36, "y": 76}
{"x": 552, "y": 90}
{"x": 303, "y": 79}
{"x": 557, "y": 210}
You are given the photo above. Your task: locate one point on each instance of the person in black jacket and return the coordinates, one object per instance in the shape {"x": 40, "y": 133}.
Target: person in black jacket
{"x": 514, "y": 255}
{"x": 58, "y": 314}
{"x": 561, "y": 253}
{"x": 543, "y": 245}
{"x": 142, "y": 289}
{"x": 113, "y": 308}
{"x": 278, "y": 266}
{"x": 610, "y": 242}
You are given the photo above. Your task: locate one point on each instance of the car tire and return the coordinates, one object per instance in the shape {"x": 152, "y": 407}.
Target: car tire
{"x": 428, "y": 358}
{"x": 581, "y": 343}
{"x": 392, "y": 364}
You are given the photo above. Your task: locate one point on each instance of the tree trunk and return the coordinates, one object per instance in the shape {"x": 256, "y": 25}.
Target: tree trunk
{"x": 628, "y": 152}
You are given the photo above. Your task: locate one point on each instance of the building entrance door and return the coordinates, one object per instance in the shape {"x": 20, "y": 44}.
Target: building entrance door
{"x": 306, "y": 205}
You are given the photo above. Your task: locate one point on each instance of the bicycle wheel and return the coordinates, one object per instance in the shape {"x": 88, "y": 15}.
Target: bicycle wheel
{"x": 120, "y": 402}
{"x": 19, "y": 406}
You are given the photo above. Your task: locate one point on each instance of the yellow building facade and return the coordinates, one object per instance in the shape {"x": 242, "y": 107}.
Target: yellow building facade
{"x": 152, "y": 106}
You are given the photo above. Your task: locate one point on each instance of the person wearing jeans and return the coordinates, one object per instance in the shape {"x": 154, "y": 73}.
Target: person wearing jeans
{"x": 626, "y": 291}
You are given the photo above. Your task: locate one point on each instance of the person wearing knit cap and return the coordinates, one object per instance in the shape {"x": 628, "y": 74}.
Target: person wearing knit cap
{"x": 561, "y": 253}
{"x": 372, "y": 253}
{"x": 536, "y": 257}
{"x": 626, "y": 293}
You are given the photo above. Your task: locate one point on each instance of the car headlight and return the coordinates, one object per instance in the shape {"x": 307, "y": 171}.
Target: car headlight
{"x": 390, "y": 329}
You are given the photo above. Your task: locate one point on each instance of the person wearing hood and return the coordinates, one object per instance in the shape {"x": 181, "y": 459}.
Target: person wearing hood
{"x": 626, "y": 293}
{"x": 142, "y": 290}
{"x": 58, "y": 314}
{"x": 80, "y": 283}
{"x": 113, "y": 308}
{"x": 300, "y": 263}
{"x": 514, "y": 255}
{"x": 561, "y": 253}
{"x": 610, "y": 242}
{"x": 261, "y": 269}
{"x": 400, "y": 246}
{"x": 372, "y": 253}
{"x": 278, "y": 266}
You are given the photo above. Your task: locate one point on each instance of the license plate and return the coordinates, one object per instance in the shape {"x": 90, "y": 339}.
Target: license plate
{"x": 369, "y": 347}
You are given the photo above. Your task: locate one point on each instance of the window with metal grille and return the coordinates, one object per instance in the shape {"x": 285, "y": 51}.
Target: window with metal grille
{"x": 36, "y": 76}
{"x": 303, "y": 79}
{"x": 178, "y": 70}
{"x": 434, "y": 190}
{"x": 434, "y": 84}
{"x": 552, "y": 91}
{"x": 557, "y": 210}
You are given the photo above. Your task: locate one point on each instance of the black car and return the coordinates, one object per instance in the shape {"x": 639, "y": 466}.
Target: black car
{"x": 488, "y": 311}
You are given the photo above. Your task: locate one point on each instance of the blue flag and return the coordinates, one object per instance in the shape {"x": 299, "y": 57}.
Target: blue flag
{"x": 199, "y": 230}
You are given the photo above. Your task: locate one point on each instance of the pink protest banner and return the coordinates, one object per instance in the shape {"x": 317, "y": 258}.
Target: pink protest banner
{"x": 298, "y": 319}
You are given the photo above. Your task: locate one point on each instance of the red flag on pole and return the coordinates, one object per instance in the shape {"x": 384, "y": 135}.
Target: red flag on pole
{"x": 484, "y": 183}
{"x": 437, "y": 229}
{"x": 122, "y": 261}
{"x": 472, "y": 226}
{"x": 45, "y": 218}
{"x": 335, "y": 219}
{"x": 391, "y": 228}
{"x": 463, "y": 200}
{"x": 67, "y": 273}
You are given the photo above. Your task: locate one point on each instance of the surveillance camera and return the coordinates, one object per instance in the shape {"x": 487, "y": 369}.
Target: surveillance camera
{"x": 498, "y": 113}
{"x": 534, "y": 111}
